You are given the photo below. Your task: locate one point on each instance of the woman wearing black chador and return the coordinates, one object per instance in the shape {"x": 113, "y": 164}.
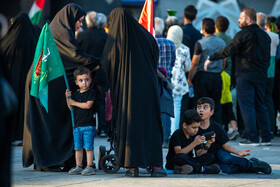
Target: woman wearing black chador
{"x": 48, "y": 139}
{"x": 130, "y": 59}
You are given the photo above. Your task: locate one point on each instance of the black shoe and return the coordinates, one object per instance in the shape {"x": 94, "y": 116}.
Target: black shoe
{"x": 149, "y": 170}
{"x": 266, "y": 143}
{"x": 158, "y": 173}
{"x": 249, "y": 143}
{"x": 132, "y": 173}
{"x": 259, "y": 166}
{"x": 242, "y": 134}
{"x": 277, "y": 133}
{"x": 212, "y": 169}
{"x": 185, "y": 169}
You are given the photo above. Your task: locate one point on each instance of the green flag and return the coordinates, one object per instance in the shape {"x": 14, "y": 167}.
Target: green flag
{"x": 47, "y": 65}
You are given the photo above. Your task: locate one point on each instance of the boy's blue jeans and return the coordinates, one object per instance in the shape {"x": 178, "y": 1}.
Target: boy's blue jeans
{"x": 84, "y": 137}
{"x": 230, "y": 163}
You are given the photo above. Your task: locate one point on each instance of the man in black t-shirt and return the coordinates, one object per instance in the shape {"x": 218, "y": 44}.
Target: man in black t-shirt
{"x": 180, "y": 154}
{"x": 219, "y": 145}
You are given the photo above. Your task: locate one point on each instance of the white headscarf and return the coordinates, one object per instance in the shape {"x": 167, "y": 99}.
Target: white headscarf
{"x": 175, "y": 34}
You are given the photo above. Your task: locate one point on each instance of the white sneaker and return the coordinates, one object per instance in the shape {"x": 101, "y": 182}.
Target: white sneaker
{"x": 88, "y": 171}
{"x": 76, "y": 170}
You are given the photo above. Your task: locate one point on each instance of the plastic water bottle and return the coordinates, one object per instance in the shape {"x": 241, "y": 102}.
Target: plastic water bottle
{"x": 191, "y": 93}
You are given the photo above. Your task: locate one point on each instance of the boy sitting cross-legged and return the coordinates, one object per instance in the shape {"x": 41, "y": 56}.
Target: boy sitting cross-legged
{"x": 182, "y": 142}
{"x": 220, "y": 146}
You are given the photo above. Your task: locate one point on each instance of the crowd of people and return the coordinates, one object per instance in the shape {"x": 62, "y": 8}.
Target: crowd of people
{"x": 116, "y": 55}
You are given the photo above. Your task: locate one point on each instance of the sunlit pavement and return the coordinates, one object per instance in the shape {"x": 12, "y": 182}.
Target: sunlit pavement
{"x": 29, "y": 177}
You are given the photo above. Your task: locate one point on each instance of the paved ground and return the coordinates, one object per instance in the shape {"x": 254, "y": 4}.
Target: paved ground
{"x": 271, "y": 154}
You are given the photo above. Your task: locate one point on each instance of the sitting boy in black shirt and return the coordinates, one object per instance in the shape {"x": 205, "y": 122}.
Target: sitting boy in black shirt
{"x": 220, "y": 146}
{"x": 181, "y": 144}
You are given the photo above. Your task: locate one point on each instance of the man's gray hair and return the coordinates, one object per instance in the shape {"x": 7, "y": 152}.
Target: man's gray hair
{"x": 261, "y": 19}
{"x": 102, "y": 19}
{"x": 92, "y": 19}
{"x": 159, "y": 25}
{"x": 170, "y": 21}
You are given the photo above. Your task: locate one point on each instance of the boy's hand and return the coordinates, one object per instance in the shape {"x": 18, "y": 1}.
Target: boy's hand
{"x": 67, "y": 93}
{"x": 243, "y": 153}
{"x": 212, "y": 140}
{"x": 71, "y": 102}
{"x": 199, "y": 140}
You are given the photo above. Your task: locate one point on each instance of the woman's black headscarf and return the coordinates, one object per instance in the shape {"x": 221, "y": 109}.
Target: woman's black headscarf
{"x": 130, "y": 59}
{"x": 63, "y": 30}
{"x": 17, "y": 53}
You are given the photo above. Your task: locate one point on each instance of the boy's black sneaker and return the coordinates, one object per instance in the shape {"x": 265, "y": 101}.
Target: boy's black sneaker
{"x": 266, "y": 143}
{"x": 185, "y": 169}
{"x": 212, "y": 169}
{"x": 259, "y": 166}
{"x": 249, "y": 143}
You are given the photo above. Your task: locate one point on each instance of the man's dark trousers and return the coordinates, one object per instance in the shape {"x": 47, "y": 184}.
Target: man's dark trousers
{"x": 250, "y": 97}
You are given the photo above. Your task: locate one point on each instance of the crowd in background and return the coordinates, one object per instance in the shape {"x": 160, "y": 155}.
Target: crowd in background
{"x": 205, "y": 63}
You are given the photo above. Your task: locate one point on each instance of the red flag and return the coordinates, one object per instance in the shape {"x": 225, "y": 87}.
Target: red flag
{"x": 146, "y": 18}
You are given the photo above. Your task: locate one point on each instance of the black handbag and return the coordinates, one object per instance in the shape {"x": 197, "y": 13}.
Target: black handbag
{"x": 165, "y": 96}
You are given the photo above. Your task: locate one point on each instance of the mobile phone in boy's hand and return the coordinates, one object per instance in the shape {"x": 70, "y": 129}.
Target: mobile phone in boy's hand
{"x": 208, "y": 135}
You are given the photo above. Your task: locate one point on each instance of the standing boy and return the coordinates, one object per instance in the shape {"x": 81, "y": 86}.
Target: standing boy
{"x": 180, "y": 154}
{"x": 227, "y": 106}
{"x": 220, "y": 146}
{"x": 84, "y": 129}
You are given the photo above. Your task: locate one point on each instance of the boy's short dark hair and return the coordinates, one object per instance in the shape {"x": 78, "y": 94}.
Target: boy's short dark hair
{"x": 81, "y": 71}
{"x": 222, "y": 23}
{"x": 206, "y": 100}
{"x": 191, "y": 116}
{"x": 209, "y": 25}
{"x": 190, "y": 12}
